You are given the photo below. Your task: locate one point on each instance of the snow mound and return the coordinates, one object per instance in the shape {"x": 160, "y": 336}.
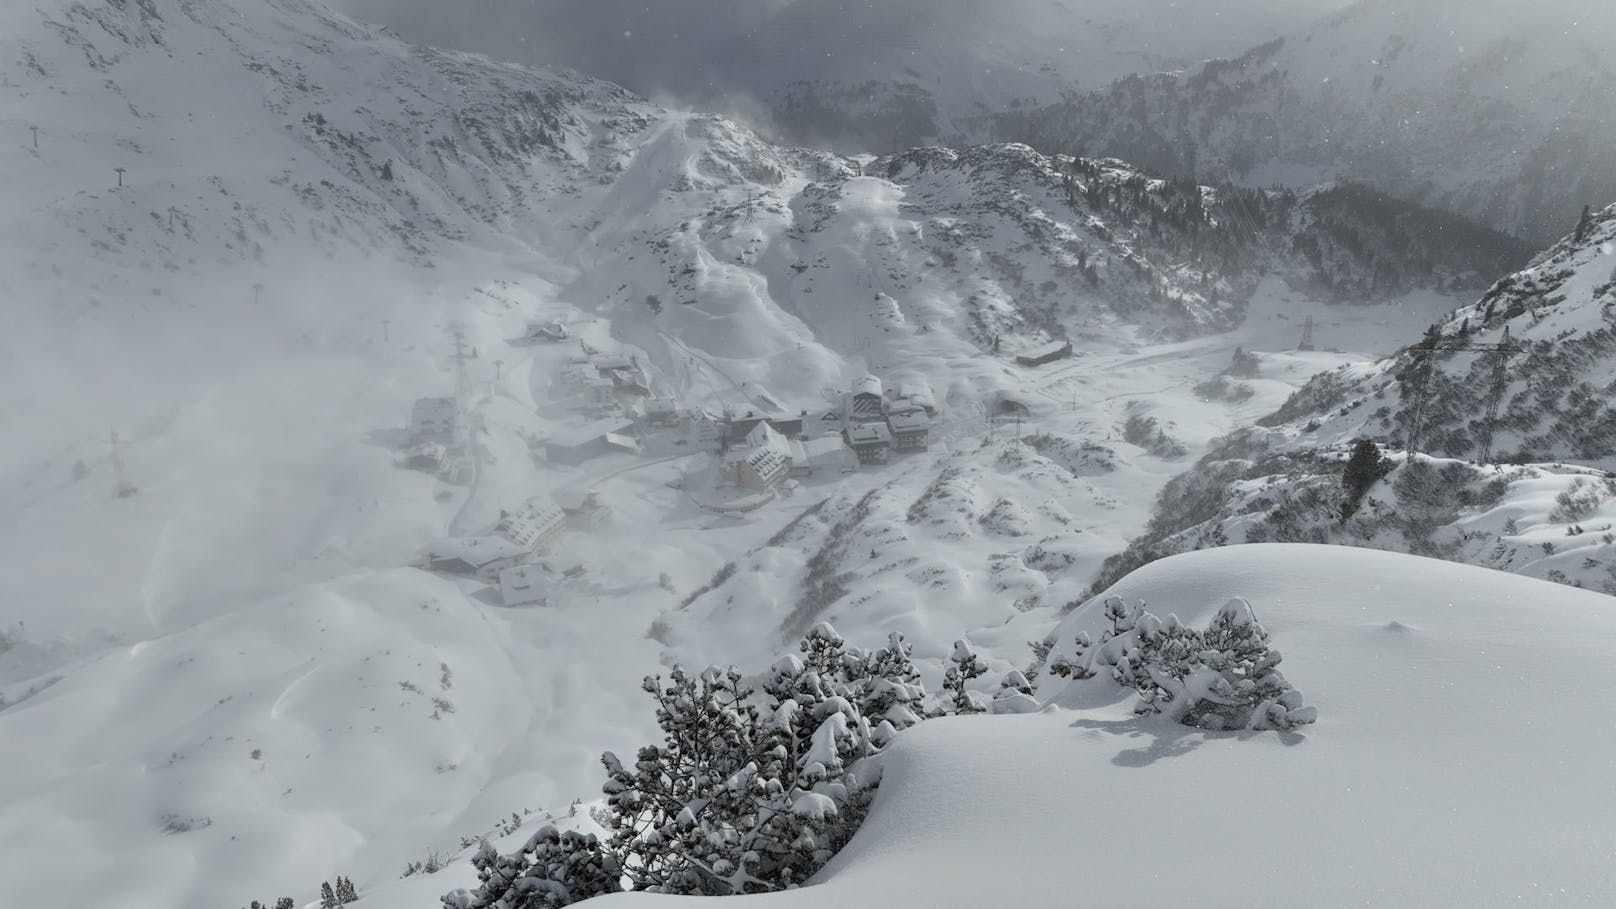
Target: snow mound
{"x": 1451, "y": 765}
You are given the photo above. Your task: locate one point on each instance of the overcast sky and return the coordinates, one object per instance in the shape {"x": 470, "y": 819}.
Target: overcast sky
{"x": 679, "y": 46}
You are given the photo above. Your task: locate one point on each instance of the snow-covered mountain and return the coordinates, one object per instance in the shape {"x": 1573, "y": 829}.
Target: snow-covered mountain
{"x": 864, "y": 76}
{"x": 1525, "y": 374}
{"x": 250, "y": 235}
{"x": 1497, "y": 110}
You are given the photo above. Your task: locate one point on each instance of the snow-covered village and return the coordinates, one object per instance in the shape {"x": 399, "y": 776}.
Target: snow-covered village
{"x": 527, "y": 453}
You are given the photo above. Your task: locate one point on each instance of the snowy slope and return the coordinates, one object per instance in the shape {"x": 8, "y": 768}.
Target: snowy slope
{"x": 235, "y": 673}
{"x": 1548, "y": 511}
{"x": 1449, "y": 766}
{"x": 859, "y": 76}
{"x": 1498, "y": 111}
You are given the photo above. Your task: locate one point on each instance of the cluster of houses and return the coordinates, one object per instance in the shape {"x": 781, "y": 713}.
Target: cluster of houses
{"x": 760, "y": 451}
{"x": 882, "y": 421}
{"x": 766, "y": 456}
{"x": 507, "y": 555}
{"x": 601, "y": 380}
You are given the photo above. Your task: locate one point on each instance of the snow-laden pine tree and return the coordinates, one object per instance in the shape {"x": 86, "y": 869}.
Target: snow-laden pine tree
{"x": 552, "y": 869}
{"x": 1223, "y": 678}
{"x": 890, "y": 694}
{"x": 755, "y": 785}
{"x": 963, "y": 666}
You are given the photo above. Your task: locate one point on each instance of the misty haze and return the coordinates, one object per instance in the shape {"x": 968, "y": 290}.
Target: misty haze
{"x": 507, "y": 454}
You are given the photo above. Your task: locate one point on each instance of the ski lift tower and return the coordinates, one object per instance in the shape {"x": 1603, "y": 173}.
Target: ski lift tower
{"x": 1307, "y": 335}
{"x": 462, "y": 384}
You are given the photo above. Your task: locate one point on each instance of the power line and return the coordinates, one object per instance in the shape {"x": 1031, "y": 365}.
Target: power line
{"x": 1424, "y": 354}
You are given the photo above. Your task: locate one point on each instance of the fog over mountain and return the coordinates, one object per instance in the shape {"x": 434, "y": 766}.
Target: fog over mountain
{"x": 810, "y": 70}
{"x": 1498, "y": 110}
{"x": 876, "y": 459}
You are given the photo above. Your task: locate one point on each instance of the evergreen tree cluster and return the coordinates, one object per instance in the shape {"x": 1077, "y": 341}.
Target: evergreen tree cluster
{"x": 755, "y": 785}
{"x": 1364, "y": 468}
{"x": 552, "y": 869}
{"x": 1225, "y": 677}
{"x": 340, "y": 895}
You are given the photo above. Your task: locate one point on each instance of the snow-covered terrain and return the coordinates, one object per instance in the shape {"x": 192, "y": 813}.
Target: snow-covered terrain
{"x": 253, "y": 236}
{"x": 1495, "y": 109}
{"x": 1524, "y": 376}
{"x": 1449, "y": 766}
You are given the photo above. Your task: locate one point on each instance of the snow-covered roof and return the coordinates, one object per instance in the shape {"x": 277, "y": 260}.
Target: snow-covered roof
{"x": 766, "y": 461}
{"x": 763, "y": 398}
{"x": 917, "y": 390}
{"x": 476, "y": 551}
{"x": 622, "y": 440}
{"x": 523, "y": 584}
{"x": 586, "y": 433}
{"x": 765, "y": 450}
{"x": 610, "y": 362}
{"x": 531, "y": 523}
{"x": 576, "y": 499}
{"x": 867, "y": 385}
{"x": 823, "y": 445}
{"x": 910, "y": 421}
{"x": 765, "y": 436}
{"x": 869, "y": 434}
{"x": 1045, "y": 350}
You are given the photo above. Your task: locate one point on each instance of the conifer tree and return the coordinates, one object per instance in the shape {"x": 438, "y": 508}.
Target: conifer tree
{"x": 1223, "y": 678}
{"x": 964, "y": 665}
{"x": 1366, "y": 466}
{"x": 754, "y": 786}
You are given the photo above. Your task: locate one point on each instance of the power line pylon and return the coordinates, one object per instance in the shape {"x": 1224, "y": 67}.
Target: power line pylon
{"x": 1495, "y": 393}
{"x": 1425, "y": 354}
{"x": 460, "y": 357}
{"x": 1307, "y": 335}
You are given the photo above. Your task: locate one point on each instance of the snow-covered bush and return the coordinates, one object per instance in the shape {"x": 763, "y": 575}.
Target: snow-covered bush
{"x": 552, "y": 869}
{"x": 755, "y": 785}
{"x": 963, "y": 666}
{"x": 1015, "y": 694}
{"x": 1225, "y": 677}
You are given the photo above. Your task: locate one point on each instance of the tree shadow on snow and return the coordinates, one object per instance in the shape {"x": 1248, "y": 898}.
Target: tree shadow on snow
{"x": 1164, "y": 738}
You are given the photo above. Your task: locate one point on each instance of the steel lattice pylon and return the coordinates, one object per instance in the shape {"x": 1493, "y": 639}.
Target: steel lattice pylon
{"x": 1425, "y": 351}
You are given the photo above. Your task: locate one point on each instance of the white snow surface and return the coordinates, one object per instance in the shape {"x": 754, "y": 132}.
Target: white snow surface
{"x": 1454, "y": 763}
{"x": 231, "y": 685}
